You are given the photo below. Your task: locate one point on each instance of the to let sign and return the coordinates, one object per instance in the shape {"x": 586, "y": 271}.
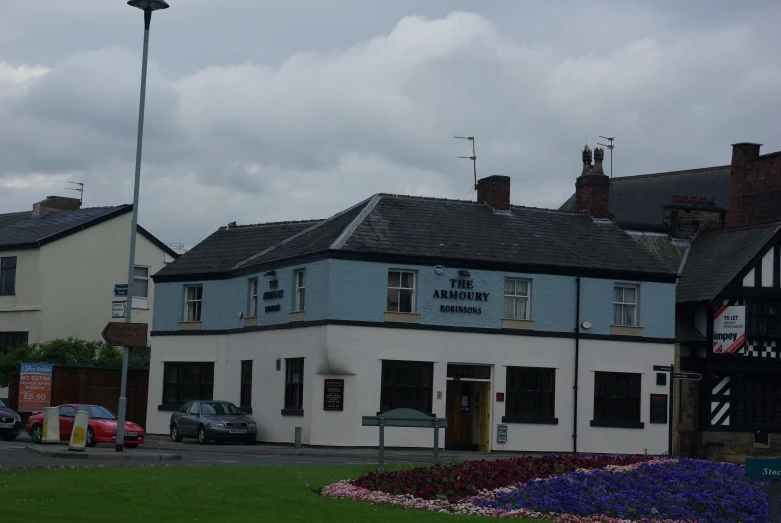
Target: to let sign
{"x": 120, "y": 334}
{"x": 35, "y": 386}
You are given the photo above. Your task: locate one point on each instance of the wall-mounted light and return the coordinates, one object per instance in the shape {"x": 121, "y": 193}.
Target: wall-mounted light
{"x": 463, "y": 272}
{"x": 439, "y": 269}
{"x": 270, "y": 273}
{"x": 586, "y": 324}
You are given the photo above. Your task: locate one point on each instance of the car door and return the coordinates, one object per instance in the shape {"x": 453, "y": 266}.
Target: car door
{"x": 67, "y": 417}
{"x": 192, "y": 419}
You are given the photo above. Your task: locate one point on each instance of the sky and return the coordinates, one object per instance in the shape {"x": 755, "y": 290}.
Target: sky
{"x": 292, "y": 109}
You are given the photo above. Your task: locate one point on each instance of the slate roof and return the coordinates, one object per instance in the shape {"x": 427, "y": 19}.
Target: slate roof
{"x": 22, "y": 229}
{"x": 716, "y": 258}
{"x": 428, "y": 230}
{"x": 636, "y": 201}
{"x": 669, "y": 251}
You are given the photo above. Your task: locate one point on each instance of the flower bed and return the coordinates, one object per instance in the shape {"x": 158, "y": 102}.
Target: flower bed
{"x": 681, "y": 491}
{"x": 467, "y": 479}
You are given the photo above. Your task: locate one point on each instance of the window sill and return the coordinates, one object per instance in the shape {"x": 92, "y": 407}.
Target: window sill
{"x": 137, "y": 308}
{"x": 531, "y": 420}
{"x": 296, "y": 316}
{"x": 527, "y": 325}
{"x": 292, "y": 412}
{"x": 615, "y": 424}
{"x": 252, "y": 321}
{"x": 169, "y": 408}
{"x": 402, "y": 317}
{"x": 189, "y": 325}
{"x": 626, "y": 330}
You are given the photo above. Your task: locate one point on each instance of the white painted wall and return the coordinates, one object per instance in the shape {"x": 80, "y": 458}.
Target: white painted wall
{"x": 355, "y": 354}
{"x": 21, "y": 312}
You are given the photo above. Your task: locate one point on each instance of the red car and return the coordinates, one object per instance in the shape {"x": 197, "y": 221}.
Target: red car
{"x": 102, "y": 426}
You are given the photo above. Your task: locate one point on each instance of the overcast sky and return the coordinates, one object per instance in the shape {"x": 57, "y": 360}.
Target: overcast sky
{"x": 286, "y": 110}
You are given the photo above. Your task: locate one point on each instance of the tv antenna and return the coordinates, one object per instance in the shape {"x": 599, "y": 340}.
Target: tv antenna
{"x": 610, "y": 139}
{"x": 473, "y": 157}
{"x": 79, "y": 189}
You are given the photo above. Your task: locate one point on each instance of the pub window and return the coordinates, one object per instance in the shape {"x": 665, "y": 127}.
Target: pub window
{"x": 531, "y": 393}
{"x": 616, "y": 398}
{"x": 253, "y": 298}
{"x": 8, "y": 275}
{"x": 193, "y": 300}
{"x": 516, "y": 298}
{"x": 246, "y": 384}
{"x": 758, "y": 399}
{"x": 406, "y": 384}
{"x": 625, "y": 305}
{"x": 300, "y": 281}
{"x": 294, "y": 383}
{"x": 401, "y": 291}
{"x": 183, "y": 382}
{"x": 763, "y": 318}
{"x": 12, "y": 340}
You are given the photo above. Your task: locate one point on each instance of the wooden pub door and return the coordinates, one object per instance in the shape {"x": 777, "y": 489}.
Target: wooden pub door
{"x": 467, "y": 410}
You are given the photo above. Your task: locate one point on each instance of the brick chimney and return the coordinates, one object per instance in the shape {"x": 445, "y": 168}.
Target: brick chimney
{"x": 685, "y": 216}
{"x": 495, "y": 191}
{"x": 592, "y": 188}
{"x": 754, "y": 186}
{"x": 54, "y": 204}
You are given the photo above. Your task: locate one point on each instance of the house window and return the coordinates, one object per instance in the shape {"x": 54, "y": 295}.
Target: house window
{"x": 531, "y": 394}
{"x": 183, "y": 382}
{"x": 401, "y": 291}
{"x": 406, "y": 384}
{"x": 300, "y": 280}
{"x": 616, "y": 399}
{"x": 625, "y": 305}
{"x": 758, "y": 399}
{"x": 12, "y": 340}
{"x": 763, "y": 318}
{"x": 516, "y": 298}
{"x": 8, "y": 275}
{"x": 253, "y": 298}
{"x": 193, "y": 299}
{"x": 246, "y": 384}
{"x": 294, "y": 384}
{"x": 140, "y": 287}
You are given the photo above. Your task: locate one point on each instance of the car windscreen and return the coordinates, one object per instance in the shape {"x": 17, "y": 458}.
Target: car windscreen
{"x": 95, "y": 412}
{"x": 218, "y": 408}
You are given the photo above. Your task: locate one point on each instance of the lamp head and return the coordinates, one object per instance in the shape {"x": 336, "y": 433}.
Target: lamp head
{"x": 149, "y": 5}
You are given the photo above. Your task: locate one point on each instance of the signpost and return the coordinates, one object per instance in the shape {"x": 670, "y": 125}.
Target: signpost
{"x": 674, "y": 376}
{"x": 768, "y": 469}
{"x": 35, "y": 386}
{"x": 125, "y": 334}
{"x": 404, "y": 418}
{"x": 120, "y": 289}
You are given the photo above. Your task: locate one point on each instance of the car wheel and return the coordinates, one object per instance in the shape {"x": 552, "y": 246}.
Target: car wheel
{"x": 9, "y": 437}
{"x": 90, "y": 438}
{"x": 131, "y": 445}
{"x": 202, "y": 438}
{"x": 37, "y": 434}
{"x": 175, "y": 436}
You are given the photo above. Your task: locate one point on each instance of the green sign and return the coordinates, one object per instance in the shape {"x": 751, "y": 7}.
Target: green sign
{"x": 763, "y": 468}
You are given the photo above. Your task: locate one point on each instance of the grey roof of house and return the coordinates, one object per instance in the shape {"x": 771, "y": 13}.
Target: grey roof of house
{"x": 430, "y": 230}
{"x": 638, "y": 200}
{"x": 20, "y": 230}
{"x": 669, "y": 251}
{"x": 717, "y": 258}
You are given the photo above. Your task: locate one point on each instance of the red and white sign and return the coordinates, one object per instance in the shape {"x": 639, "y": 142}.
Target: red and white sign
{"x": 729, "y": 329}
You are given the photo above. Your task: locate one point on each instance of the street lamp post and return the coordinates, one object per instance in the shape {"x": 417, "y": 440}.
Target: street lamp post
{"x": 147, "y": 6}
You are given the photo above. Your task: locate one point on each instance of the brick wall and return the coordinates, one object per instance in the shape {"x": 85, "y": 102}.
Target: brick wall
{"x": 755, "y": 186}
{"x": 495, "y": 191}
{"x": 592, "y": 195}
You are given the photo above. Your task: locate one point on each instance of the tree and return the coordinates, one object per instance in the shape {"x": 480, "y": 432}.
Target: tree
{"x": 70, "y": 351}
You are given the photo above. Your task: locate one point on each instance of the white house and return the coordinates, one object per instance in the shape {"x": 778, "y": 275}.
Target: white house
{"x": 58, "y": 267}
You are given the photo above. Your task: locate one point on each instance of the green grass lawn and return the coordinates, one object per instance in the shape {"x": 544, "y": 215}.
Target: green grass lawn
{"x": 206, "y": 494}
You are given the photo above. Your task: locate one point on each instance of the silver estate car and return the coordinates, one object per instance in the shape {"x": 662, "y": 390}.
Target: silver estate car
{"x": 212, "y": 420}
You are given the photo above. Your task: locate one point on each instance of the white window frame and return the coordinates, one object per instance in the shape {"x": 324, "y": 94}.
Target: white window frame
{"x": 400, "y": 288}
{"x": 623, "y": 303}
{"x": 188, "y": 301}
{"x": 299, "y": 282}
{"x": 253, "y": 298}
{"x": 140, "y": 302}
{"x": 515, "y": 296}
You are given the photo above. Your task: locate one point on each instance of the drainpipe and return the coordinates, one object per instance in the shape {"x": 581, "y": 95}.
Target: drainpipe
{"x": 577, "y": 362}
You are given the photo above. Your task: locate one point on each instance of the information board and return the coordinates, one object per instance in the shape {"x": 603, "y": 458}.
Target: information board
{"x": 35, "y": 386}
{"x": 333, "y": 398}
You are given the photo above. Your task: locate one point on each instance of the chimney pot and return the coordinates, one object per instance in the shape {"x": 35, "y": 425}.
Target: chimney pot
{"x": 494, "y": 191}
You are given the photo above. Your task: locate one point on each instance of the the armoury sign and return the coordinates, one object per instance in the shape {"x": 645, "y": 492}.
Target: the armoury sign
{"x": 461, "y": 290}
{"x": 729, "y": 329}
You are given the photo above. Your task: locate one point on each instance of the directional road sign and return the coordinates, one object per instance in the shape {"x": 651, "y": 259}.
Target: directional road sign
{"x": 663, "y": 368}
{"x": 687, "y": 375}
{"x": 120, "y": 334}
{"x": 120, "y": 289}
